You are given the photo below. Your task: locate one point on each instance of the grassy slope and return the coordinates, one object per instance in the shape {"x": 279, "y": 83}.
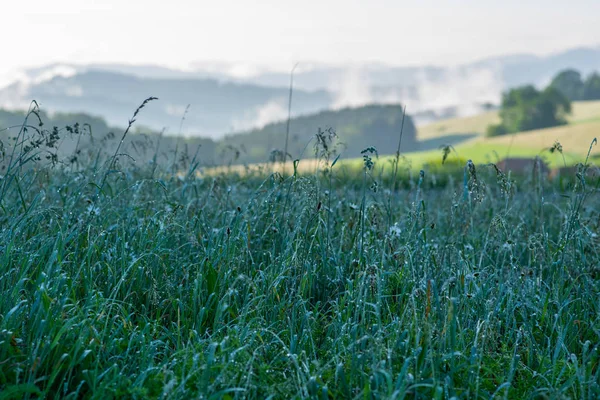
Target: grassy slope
{"x": 583, "y": 111}
{"x": 574, "y": 138}
{"x": 475, "y": 124}
{"x": 584, "y": 126}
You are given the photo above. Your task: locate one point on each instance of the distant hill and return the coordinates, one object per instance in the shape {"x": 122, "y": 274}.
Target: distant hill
{"x": 216, "y": 107}
{"x": 357, "y": 128}
{"x": 513, "y": 69}
{"x": 11, "y": 121}
{"x": 527, "y": 69}
{"x": 510, "y": 70}
{"x": 225, "y": 100}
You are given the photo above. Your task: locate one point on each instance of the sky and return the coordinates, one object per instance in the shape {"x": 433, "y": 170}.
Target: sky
{"x": 278, "y": 33}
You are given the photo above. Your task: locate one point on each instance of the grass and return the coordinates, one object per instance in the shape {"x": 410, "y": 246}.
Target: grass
{"x": 584, "y": 111}
{"x": 120, "y": 280}
{"x": 476, "y": 124}
{"x": 481, "y": 153}
{"x": 574, "y": 138}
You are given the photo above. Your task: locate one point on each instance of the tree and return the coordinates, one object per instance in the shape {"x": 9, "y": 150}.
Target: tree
{"x": 569, "y": 83}
{"x": 496, "y": 130}
{"x": 526, "y": 108}
{"x": 591, "y": 89}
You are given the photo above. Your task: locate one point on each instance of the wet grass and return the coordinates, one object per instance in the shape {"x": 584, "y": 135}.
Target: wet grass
{"x": 125, "y": 281}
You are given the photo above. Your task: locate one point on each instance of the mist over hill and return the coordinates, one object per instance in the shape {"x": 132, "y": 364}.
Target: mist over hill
{"x": 215, "y": 107}
{"x": 230, "y": 97}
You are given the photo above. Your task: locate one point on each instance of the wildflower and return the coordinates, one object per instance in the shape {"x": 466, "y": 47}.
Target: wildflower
{"x": 395, "y": 230}
{"x": 93, "y": 210}
{"x": 508, "y": 245}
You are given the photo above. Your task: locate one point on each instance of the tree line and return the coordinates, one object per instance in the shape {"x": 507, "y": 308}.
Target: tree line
{"x": 80, "y": 135}
{"x": 571, "y": 84}
{"x": 526, "y": 108}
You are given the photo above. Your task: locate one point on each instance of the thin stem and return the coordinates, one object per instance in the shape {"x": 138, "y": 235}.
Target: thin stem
{"x": 287, "y": 129}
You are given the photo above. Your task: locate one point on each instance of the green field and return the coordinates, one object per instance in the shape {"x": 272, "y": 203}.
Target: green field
{"x": 476, "y": 124}
{"x": 575, "y": 138}
{"x": 121, "y": 280}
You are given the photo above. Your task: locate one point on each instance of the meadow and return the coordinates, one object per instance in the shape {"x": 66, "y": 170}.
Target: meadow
{"x": 465, "y": 140}
{"x": 583, "y": 126}
{"x": 120, "y": 280}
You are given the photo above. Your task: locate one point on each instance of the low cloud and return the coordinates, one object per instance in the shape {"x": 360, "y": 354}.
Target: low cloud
{"x": 272, "y": 111}
{"x": 74, "y": 91}
{"x": 352, "y": 90}
{"x": 15, "y": 86}
{"x": 463, "y": 90}
{"x": 175, "y": 110}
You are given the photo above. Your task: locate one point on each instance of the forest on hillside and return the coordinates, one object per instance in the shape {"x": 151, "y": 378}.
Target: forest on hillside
{"x": 354, "y": 128}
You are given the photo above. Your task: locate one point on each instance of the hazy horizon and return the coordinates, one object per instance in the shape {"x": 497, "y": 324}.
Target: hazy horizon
{"x": 276, "y": 34}
{"x": 244, "y": 42}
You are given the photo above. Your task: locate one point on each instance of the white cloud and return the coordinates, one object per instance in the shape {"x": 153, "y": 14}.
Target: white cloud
{"x": 272, "y": 111}
{"x": 352, "y": 90}
{"x": 175, "y": 110}
{"x": 462, "y": 89}
{"x": 458, "y": 87}
{"x": 74, "y": 91}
